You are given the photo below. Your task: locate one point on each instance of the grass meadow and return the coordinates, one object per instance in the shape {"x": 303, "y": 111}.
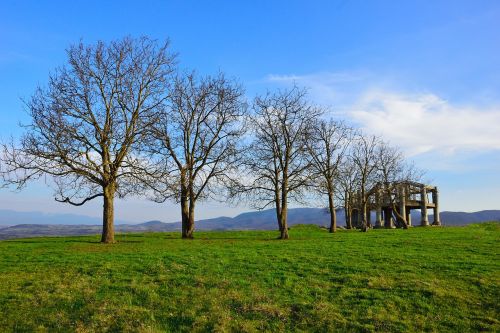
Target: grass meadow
{"x": 423, "y": 279}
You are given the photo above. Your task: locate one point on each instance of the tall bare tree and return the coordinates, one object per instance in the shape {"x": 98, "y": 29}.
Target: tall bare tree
{"x": 198, "y": 140}
{"x": 277, "y": 159}
{"x": 364, "y": 159}
{"x": 327, "y": 146}
{"x": 87, "y": 124}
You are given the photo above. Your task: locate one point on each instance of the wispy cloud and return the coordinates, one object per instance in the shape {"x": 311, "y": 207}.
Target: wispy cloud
{"x": 11, "y": 57}
{"x": 322, "y": 78}
{"x": 326, "y": 87}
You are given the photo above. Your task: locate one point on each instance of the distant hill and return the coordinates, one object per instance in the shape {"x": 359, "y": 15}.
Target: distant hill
{"x": 259, "y": 220}
{"x": 12, "y": 217}
{"x": 463, "y": 218}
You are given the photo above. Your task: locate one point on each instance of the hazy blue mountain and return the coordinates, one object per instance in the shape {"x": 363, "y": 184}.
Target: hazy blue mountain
{"x": 12, "y": 217}
{"x": 68, "y": 224}
{"x": 463, "y": 218}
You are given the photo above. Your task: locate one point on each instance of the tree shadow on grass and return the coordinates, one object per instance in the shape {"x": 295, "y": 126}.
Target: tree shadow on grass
{"x": 55, "y": 240}
{"x": 235, "y": 238}
{"x": 61, "y": 239}
{"x": 128, "y": 241}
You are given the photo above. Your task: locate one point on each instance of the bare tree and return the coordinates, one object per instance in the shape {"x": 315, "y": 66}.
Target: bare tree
{"x": 392, "y": 171}
{"x": 198, "y": 139}
{"x": 347, "y": 182}
{"x": 87, "y": 124}
{"x": 277, "y": 159}
{"x": 364, "y": 159}
{"x": 327, "y": 145}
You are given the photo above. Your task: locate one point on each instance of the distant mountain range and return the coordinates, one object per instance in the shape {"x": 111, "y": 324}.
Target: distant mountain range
{"x": 12, "y": 217}
{"x": 29, "y": 224}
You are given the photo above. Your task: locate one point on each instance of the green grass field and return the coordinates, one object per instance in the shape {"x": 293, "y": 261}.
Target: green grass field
{"x": 422, "y": 279}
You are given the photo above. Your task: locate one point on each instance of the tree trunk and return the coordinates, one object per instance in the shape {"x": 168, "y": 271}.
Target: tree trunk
{"x": 190, "y": 221}
{"x": 349, "y": 218}
{"x": 108, "y": 228}
{"x": 284, "y": 223}
{"x": 185, "y": 216}
{"x": 278, "y": 212}
{"x": 333, "y": 214}
{"x": 364, "y": 221}
{"x": 368, "y": 217}
{"x": 187, "y": 211}
{"x": 399, "y": 217}
{"x": 187, "y": 207}
{"x": 347, "y": 210}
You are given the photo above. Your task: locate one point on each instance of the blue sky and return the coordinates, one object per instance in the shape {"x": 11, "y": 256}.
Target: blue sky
{"x": 424, "y": 74}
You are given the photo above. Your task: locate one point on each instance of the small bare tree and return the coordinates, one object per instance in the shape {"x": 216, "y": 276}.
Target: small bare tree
{"x": 87, "y": 125}
{"x": 392, "y": 170}
{"x": 327, "y": 145}
{"x": 347, "y": 182}
{"x": 198, "y": 139}
{"x": 277, "y": 161}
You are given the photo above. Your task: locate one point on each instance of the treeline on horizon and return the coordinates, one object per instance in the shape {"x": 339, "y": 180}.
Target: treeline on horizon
{"x": 121, "y": 118}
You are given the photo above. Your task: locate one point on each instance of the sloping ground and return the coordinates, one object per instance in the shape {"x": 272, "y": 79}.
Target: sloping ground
{"x": 422, "y": 279}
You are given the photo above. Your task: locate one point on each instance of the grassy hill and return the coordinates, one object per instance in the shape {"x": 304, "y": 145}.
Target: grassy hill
{"x": 422, "y": 279}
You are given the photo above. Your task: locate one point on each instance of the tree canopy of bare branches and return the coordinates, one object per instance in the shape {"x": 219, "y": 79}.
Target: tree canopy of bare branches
{"x": 277, "y": 160}
{"x": 347, "y": 182}
{"x": 327, "y": 145}
{"x": 363, "y": 156}
{"x": 119, "y": 119}
{"x": 198, "y": 140}
{"x": 391, "y": 170}
{"x": 88, "y": 123}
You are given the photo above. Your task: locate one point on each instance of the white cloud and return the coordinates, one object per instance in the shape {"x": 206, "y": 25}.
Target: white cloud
{"x": 419, "y": 123}
{"x": 426, "y": 123}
